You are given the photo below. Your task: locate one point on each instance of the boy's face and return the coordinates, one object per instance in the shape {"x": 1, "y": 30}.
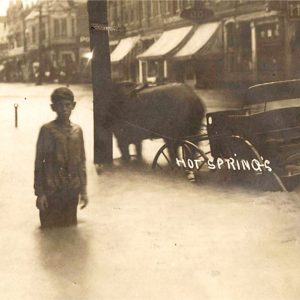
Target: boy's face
{"x": 63, "y": 108}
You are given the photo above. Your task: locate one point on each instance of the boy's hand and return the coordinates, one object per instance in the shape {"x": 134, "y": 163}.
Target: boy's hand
{"x": 42, "y": 203}
{"x": 83, "y": 200}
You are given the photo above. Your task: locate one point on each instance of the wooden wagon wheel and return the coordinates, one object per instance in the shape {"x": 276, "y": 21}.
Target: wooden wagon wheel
{"x": 187, "y": 154}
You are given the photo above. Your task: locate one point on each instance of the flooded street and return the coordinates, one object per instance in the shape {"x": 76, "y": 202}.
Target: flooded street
{"x": 143, "y": 235}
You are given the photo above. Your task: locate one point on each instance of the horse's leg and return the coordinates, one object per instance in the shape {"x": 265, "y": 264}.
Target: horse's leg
{"x": 138, "y": 150}
{"x": 172, "y": 149}
{"x": 124, "y": 148}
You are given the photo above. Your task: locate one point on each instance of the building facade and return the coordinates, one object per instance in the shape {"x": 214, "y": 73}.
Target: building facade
{"x": 138, "y": 24}
{"x": 205, "y": 42}
{"x": 42, "y": 41}
{"x": 3, "y": 47}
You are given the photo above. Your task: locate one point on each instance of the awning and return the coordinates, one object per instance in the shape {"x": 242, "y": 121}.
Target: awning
{"x": 123, "y": 48}
{"x": 206, "y": 40}
{"x": 169, "y": 41}
{"x": 256, "y": 15}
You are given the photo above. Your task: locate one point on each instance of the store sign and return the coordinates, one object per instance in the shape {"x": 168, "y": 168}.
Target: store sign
{"x": 197, "y": 14}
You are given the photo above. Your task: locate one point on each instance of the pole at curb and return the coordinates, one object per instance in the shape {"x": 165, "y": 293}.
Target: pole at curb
{"x": 16, "y": 114}
{"x": 101, "y": 79}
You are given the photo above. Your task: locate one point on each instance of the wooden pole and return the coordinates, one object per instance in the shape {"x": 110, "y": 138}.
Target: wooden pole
{"x": 101, "y": 79}
{"x": 41, "y": 71}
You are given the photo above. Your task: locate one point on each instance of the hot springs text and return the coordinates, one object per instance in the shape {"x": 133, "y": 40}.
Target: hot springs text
{"x": 231, "y": 164}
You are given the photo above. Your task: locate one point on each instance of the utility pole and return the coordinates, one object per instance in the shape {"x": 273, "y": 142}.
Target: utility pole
{"x": 39, "y": 79}
{"x": 101, "y": 79}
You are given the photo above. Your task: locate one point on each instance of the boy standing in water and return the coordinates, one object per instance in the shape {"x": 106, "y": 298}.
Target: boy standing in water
{"x": 60, "y": 173}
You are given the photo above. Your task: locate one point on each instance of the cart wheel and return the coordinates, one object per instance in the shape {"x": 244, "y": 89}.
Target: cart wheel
{"x": 245, "y": 150}
{"x": 189, "y": 158}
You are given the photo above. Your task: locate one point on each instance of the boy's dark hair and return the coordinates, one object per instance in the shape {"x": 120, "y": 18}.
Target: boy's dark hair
{"x": 62, "y": 93}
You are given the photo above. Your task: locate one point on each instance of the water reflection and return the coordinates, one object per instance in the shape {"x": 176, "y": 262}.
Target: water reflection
{"x": 63, "y": 254}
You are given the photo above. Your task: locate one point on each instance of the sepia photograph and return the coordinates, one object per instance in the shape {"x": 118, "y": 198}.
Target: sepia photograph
{"x": 150, "y": 149}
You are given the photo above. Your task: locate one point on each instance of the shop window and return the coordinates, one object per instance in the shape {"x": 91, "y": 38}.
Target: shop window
{"x": 18, "y": 39}
{"x": 245, "y": 53}
{"x": 231, "y": 51}
{"x": 268, "y": 32}
{"x": 294, "y": 9}
{"x": 230, "y": 35}
{"x": 152, "y": 69}
{"x": 189, "y": 70}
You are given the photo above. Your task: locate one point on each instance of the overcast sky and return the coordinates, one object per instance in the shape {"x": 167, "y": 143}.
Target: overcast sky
{"x": 4, "y": 5}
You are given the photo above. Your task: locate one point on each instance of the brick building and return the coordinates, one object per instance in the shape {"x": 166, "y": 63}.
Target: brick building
{"x": 3, "y": 47}
{"x": 205, "y": 42}
{"x": 43, "y": 38}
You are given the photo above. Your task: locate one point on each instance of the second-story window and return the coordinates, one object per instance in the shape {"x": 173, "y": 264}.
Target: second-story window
{"x": 43, "y": 31}
{"x": 155, "y": 8}
{"x": 141, "y": 10}
{"x": 73, "y": 27}
{"x": 63, "y": 27}
{"x": 33, "y": 34}
{"x": 56, "y": 27}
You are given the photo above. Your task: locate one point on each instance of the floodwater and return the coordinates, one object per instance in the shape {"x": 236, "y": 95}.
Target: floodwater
{"x": 143, "y": 235}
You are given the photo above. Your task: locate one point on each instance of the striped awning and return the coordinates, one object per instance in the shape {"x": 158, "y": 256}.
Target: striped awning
{"x": 206, "y": 40}
{"x": 123, "y": 49}
{"x": 169, "y": 42}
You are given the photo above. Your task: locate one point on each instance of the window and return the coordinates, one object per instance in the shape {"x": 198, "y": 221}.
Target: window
{"x": 141, "y": 10}
{"x": 155, "y": 8}
{"x": 56, "y": 27}
{"x": 187, "y": 3}
{"x": 33, "y": 33}
{"x": 168, "y": 7}
{"x": 175, "y": 7}
{"x": 152, "y": 69}
{"x": 43, "y": 31}
{"x": 73, "y": 27}
{"x": 63, "y": 27}
{"x": 18, "y": 39}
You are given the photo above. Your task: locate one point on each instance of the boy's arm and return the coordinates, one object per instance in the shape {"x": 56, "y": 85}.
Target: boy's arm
{"x": 39, "y": 165}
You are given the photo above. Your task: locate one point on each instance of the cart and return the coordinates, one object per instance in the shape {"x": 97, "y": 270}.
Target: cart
{"x": 261, "y": 139}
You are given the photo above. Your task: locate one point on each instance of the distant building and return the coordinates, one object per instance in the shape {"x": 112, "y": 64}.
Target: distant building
{"x": 51, "y": 30}
{"x": 42, "y": 38}
{"x": 15, "y": 38}
{"x": 3, "y": 47}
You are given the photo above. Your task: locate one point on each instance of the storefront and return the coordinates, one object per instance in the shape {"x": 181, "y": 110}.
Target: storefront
{"x": 255, "y": 48}
{"x": 154, "y": 63}
{"x": 200, "y": 61}
{"x": 124, "y": 65}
